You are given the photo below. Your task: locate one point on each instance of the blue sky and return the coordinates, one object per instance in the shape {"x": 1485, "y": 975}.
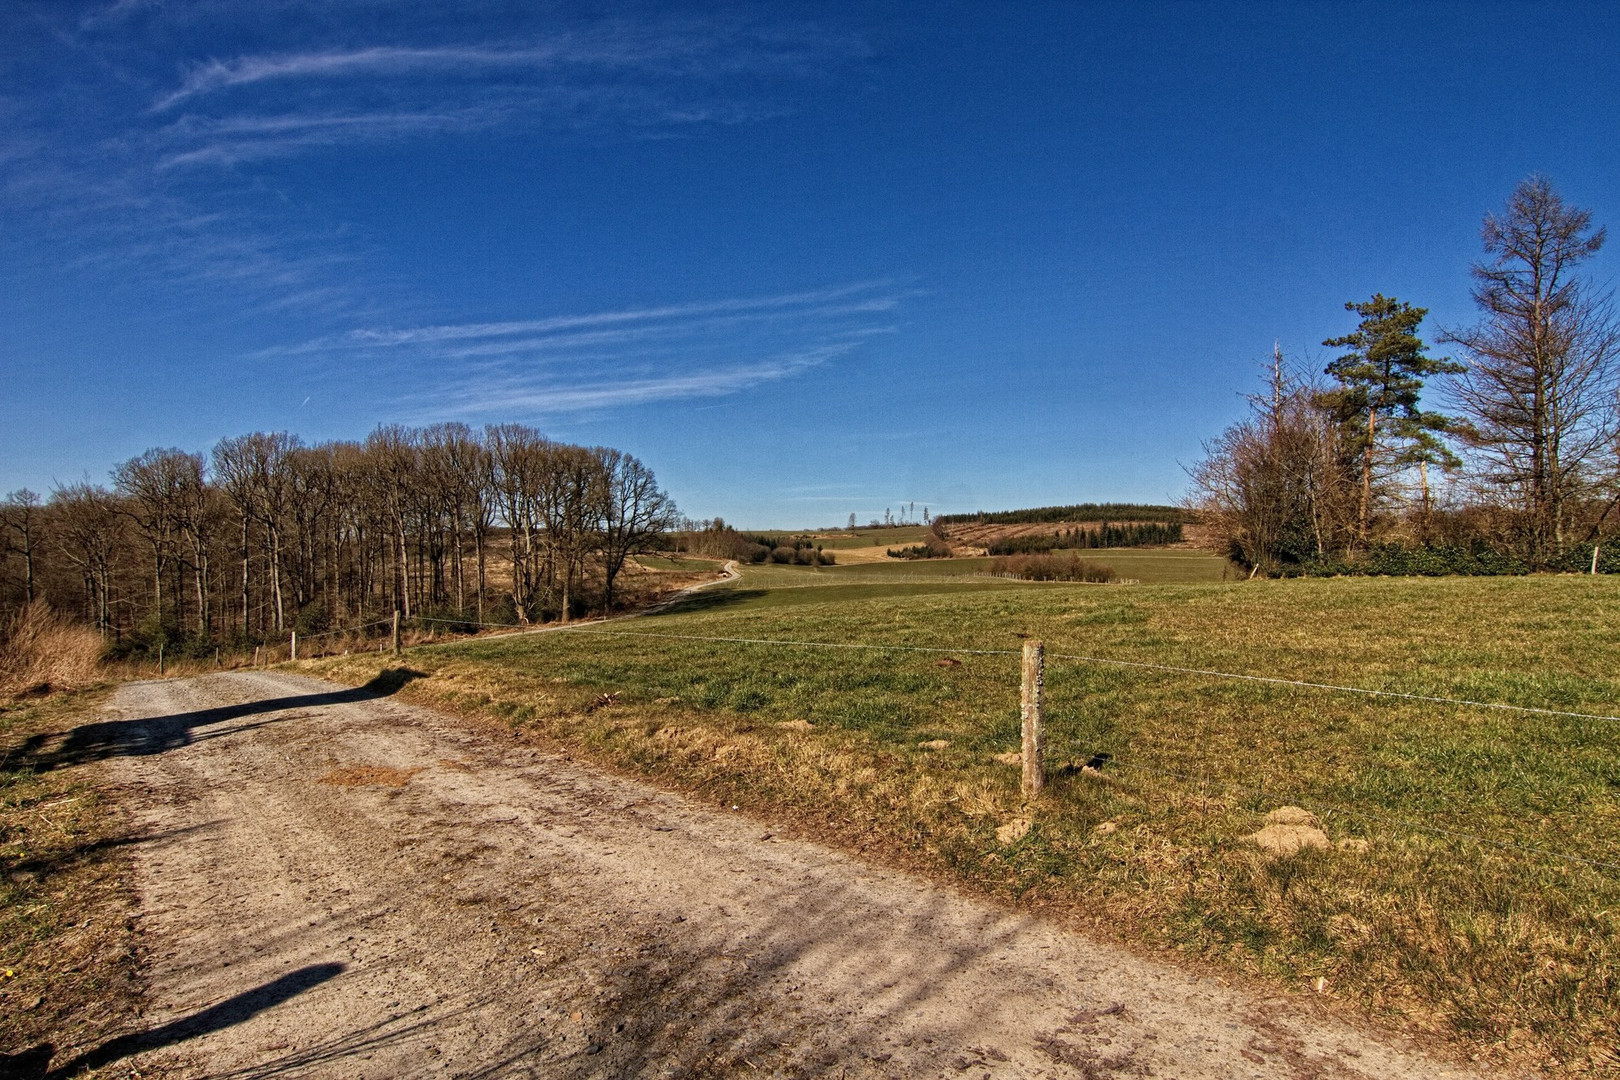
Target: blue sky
{"x": 802, "y": 260}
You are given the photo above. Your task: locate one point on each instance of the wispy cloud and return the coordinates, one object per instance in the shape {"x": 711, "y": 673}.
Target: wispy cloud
{"x": 388, "y": 61}
{"x": 659, "y": 76}
{"x": 127, "y": 138}
{"x": 573, "y": 363}
{"x": 541, "y": 397}
{"x": 845, "y": 300}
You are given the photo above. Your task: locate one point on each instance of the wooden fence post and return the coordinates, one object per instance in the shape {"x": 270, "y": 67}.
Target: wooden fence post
{"x": 293, "y": 647}
{"x": 1034, "y": 707}
{"x": 396, "y": 631}
{"x": 1595, "y": 548}
{"x": 160, "y": 658}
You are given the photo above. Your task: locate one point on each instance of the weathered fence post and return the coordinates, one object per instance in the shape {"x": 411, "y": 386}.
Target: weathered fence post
{"x": 396, "y": 631}
{"x": 160, "y": 658}
{"x": 292, "y": 648}
{"x": 1034, "y": 706}
{"x": 256, "y": 649}
{"x": 1595, "y": 549}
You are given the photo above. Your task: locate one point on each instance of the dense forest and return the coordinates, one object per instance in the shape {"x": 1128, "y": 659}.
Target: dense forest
{"x": 1105, "y": 535}
{"x": 1350, "y": 470}
{"x": 1041, "y": 515}
{"x": 265, "y": 534}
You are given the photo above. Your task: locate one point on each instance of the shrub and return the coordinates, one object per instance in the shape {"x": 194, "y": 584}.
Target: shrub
{"x": 933, "y": 549}
{"x": 1051, "y": 568}
{"x": 1397, "y": 560}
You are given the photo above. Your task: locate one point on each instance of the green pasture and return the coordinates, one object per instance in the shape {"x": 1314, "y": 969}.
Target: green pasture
{"x": 897, "y": 537}
{"x": 1145, "y": 566}
{"x": 1483, "y": 905}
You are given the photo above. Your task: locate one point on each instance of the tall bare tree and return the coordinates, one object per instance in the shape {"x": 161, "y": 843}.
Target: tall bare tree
{"x": 154, "y": 489}
{"x": 87, "y": 533}
{"x": 634, "y": 513}
{"x": 1540, "y": 386}
{"x": 254, "y": 470}
{"x": 21, "y": 515}
{"x": 518, "y": 456}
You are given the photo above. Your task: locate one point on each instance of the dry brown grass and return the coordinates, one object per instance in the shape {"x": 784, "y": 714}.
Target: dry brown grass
{"x": 41, "y": 651}
{"x": 68, "y": 967}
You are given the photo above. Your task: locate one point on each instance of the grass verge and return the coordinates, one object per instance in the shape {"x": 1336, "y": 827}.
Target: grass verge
{"x": 67, "y": 962}
{"x": 1473, "y": 890}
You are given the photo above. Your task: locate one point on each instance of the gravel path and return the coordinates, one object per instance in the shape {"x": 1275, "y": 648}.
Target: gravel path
{"x": 339, "y": 884}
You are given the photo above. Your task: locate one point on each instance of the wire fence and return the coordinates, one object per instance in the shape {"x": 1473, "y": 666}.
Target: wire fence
{"x": 1309, "y": 802}
{"x": 603, "y": 628}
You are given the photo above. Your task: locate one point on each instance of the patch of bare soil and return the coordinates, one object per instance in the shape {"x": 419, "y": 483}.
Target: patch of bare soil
{"x": 360, "y": 775}
{"x": 509, "y": 912}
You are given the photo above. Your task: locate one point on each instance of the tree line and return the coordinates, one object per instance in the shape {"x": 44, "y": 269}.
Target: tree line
{"x": 1079, "y": 512}
{"x": 717, "y": 540}
{"x": 1347, "y": 470}
{"x": 265, "y": 534}
{"x": 1106, "y": 535}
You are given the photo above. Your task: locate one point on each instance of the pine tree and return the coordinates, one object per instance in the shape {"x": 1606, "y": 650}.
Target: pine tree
{"x": 1376, "y": 402}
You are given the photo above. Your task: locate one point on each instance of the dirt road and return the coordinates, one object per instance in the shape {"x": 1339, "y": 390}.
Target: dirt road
{"x": 339, "y": 884}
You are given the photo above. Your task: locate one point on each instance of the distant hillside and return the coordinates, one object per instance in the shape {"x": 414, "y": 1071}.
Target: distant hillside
{"x": 1083, "y": 512}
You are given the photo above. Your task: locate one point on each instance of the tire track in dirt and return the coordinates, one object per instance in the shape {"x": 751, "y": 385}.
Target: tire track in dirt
{"x": 344, "y": 885}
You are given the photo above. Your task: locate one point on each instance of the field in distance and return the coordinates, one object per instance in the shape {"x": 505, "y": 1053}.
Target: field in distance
{"x": 1148, "y": 566}
{"x": 1474, "y": 872}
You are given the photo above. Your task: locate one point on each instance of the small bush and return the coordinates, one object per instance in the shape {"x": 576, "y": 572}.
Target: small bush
{"x": 311, "y": 619}
{"x": 1396, "y": 560}
{"x": 933, "y": 549}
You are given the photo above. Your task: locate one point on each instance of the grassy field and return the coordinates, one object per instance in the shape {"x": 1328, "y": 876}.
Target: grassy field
{"x": 896, "y": 537}
{"x": 1483, "y": 907}
{"x": 1153, "y": 566}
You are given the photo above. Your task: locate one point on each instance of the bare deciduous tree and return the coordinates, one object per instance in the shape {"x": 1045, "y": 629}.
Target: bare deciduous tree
{"x": 1539, "y": 389}
{"x": 21, "y": 515}
{"x": 87, "y": 533}
{"x": 634, "y": 513}
{"x": 1271, "y": 486}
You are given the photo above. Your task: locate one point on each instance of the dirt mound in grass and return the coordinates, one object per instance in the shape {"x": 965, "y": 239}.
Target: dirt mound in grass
{"x": 1288, "y": 831}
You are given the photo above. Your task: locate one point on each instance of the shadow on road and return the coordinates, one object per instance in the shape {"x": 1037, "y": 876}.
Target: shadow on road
{"x": 226, "y": 1014}
{"x": 155, "y": 734}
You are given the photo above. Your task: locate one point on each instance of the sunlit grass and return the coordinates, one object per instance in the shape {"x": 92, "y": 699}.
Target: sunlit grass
{"x": 1508, "y": 940}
